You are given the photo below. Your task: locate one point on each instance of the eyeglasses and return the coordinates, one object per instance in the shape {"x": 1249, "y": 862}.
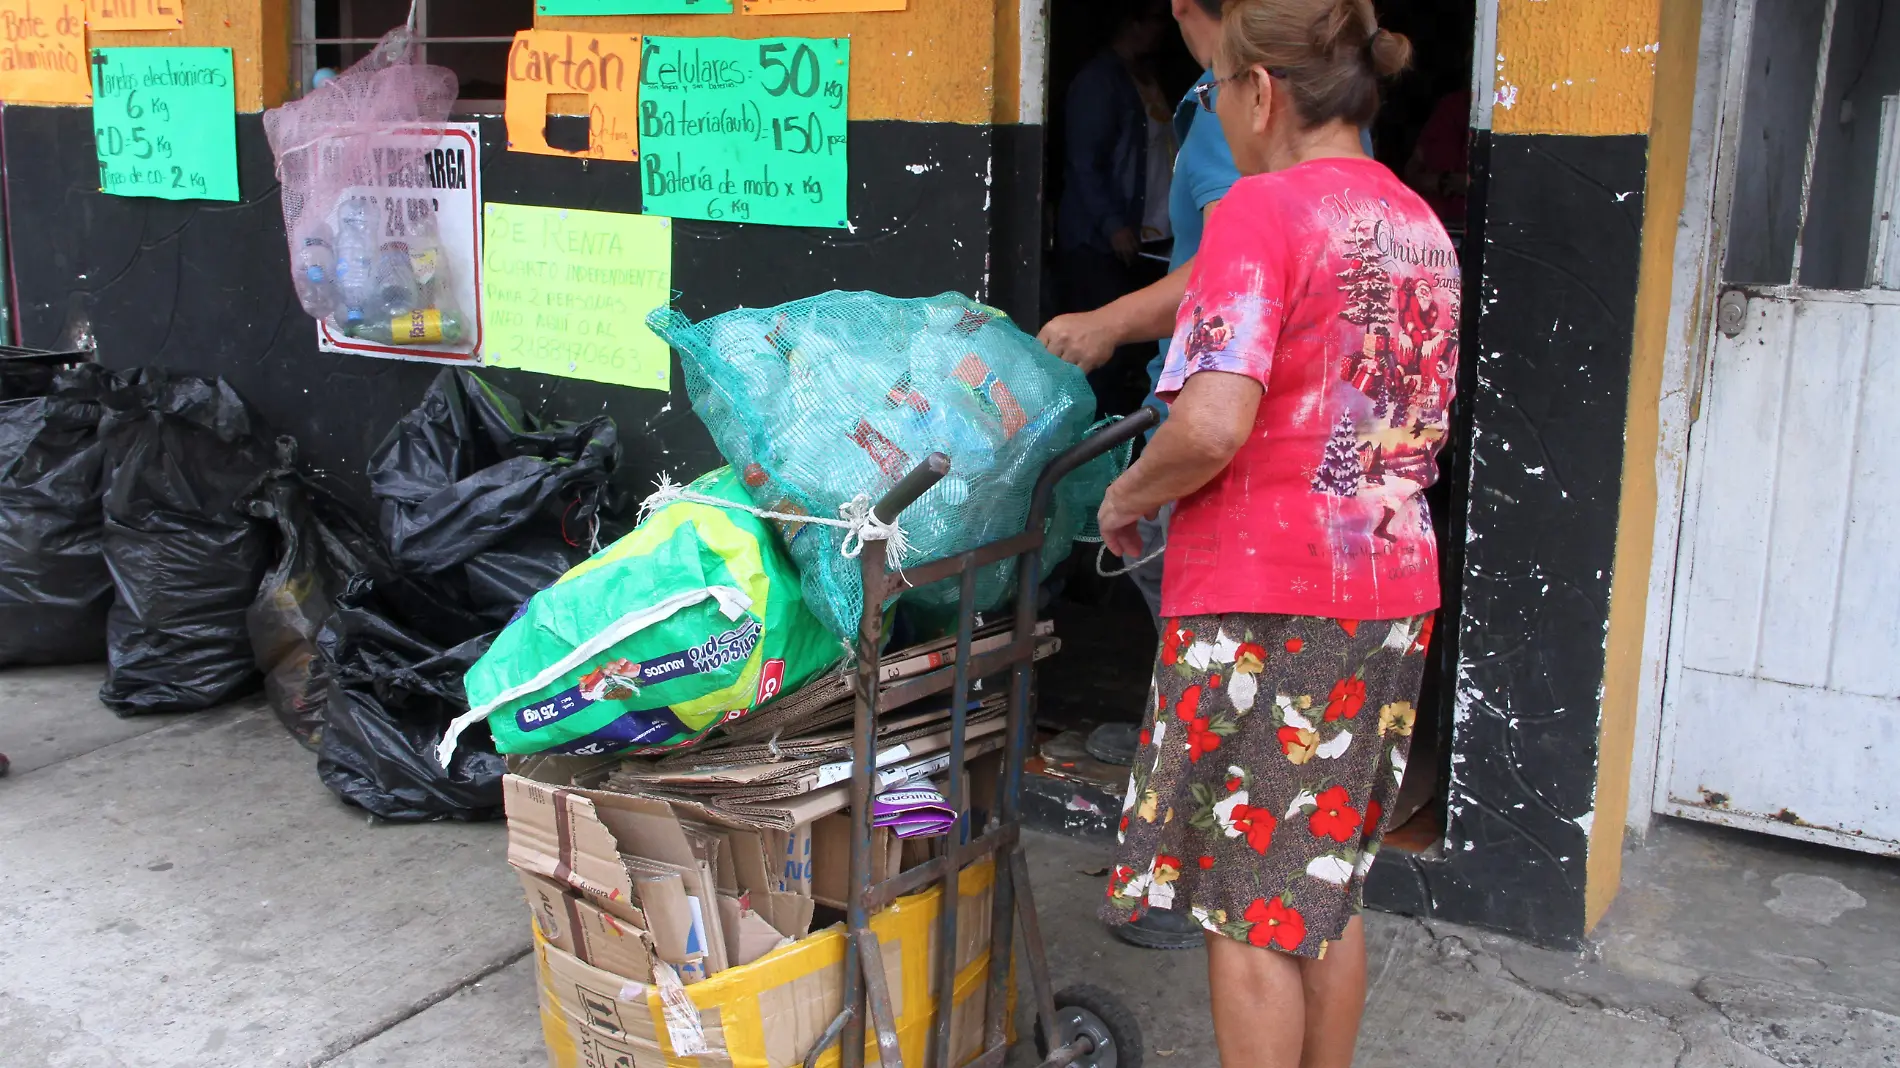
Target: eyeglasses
{"x": 1204, "y": 91}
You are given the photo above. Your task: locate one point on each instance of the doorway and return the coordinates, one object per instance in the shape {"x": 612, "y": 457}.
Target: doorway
{"x": 1781, "y": 706}
{"x": 1109, "y": 636}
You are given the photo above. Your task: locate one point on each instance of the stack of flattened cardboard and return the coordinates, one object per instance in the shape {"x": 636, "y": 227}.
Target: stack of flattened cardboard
{"x": 694, "y": 871}
{"x": 708, "y": 858}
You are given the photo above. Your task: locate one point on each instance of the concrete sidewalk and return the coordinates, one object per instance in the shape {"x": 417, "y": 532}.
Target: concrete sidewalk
{"x": 181, "y": 891}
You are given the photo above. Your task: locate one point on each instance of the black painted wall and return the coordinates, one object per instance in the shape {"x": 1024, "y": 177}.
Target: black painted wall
{"x": 1551, "y": 362}
{"x": 204, "y": 287}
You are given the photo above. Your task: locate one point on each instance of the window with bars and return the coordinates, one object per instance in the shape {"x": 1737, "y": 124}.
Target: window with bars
{"x": 470, "y": 37}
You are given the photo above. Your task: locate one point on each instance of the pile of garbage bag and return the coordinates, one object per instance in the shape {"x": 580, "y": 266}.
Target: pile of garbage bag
{"x": 183, "y": 457}
{"x": 481, "y": 505}
{"x": 392, "y": 692}
{"x": 485, "y": 501}
{"x": 54, "y": 586}
{"x": 321, "y": 547}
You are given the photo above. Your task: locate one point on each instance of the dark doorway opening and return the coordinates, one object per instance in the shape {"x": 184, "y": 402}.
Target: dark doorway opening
{"x": 1102, "y": 676}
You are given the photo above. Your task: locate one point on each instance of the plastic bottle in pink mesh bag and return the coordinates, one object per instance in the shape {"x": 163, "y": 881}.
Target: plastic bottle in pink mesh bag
{"x": 369, "y": 263}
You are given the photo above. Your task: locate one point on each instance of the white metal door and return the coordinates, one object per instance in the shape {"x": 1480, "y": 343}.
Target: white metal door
{"x": 1782, "y": 704}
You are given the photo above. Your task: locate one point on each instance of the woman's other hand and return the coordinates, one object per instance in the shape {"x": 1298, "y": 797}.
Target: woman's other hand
{"x": 1085, "y": 339}
{"x": 1118, "y": 529}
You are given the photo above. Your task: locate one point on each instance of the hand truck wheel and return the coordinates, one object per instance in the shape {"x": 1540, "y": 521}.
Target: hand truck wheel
{"x": 1093, "y": 1013}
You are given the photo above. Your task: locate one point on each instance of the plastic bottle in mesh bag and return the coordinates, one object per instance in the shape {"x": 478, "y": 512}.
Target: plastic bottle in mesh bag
{"x": 335, "y": 147}
{"x": 315, "y": 267}
{"x": 355, "y": 260}
{"x": 837, "y": 396}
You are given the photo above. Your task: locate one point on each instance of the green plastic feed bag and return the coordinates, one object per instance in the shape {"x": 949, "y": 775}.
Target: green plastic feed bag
{"x": 693, "y": 619}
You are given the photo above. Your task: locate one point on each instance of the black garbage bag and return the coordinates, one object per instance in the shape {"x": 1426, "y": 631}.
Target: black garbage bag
{"x": 23, "y": 378}
{"x": 54, "y": 587}
{"x": 321, "y": 546}
{"x": 392, "y": 695}
{"x": 183, "y": 457}
{"x": 483, "y": 500}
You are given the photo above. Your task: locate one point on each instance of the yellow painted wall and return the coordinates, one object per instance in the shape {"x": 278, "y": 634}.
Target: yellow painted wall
{"x": 1575, "y": 66}
{"x": 934, "y": 62}
{"x": 1636, "y": 519}
{"x": 256, "y": 31}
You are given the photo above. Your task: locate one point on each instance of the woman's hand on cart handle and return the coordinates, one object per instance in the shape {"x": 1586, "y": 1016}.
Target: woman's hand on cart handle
{"x": 911, "y": 487}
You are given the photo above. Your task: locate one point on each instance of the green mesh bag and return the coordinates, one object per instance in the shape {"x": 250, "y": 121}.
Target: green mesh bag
{"x": 825, "y": 399}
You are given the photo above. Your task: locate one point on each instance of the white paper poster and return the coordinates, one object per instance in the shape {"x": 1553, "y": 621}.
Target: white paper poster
{"x": 442, "y": 165}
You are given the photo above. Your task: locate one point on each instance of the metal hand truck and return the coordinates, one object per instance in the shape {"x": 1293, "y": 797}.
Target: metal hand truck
{"x": 1082, "y": 1026}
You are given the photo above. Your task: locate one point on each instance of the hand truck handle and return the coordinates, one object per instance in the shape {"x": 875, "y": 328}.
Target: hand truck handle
{"x": 911, "y": 487}
{"x": 1109, "y": 437}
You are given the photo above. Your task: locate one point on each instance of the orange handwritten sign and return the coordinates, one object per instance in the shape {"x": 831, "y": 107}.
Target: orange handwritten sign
{"x": 575, "y": 76}
{"x": 137, "y": 14}
{"x": 43, "y": 52}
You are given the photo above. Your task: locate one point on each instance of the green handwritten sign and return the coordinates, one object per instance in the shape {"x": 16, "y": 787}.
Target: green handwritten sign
{"x": 745, "y": 131}
{"x": 166, "y": 122}
{"x": 566, "y": 292}
{"x": 634, "y": 7}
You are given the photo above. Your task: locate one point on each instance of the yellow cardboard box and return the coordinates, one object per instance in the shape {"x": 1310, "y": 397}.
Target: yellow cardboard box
{"x": 769, "y": 1013}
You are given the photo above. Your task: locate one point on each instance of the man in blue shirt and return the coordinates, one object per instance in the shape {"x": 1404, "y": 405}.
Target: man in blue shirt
{"x": 1203, "y": 171}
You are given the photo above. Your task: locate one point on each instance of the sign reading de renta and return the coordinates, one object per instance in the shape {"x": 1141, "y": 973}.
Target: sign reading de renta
{"x": 745, "y": 130}
{"x": 165, "y": 120}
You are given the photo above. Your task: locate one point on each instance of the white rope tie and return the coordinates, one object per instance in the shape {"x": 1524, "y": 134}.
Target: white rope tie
{"x": 857, "y": 518}
{"x": 1101, "y": 554}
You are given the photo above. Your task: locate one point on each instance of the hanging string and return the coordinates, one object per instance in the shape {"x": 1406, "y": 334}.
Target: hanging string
{"x": 857, "y": 518}
{"x": 1101, "y": 555}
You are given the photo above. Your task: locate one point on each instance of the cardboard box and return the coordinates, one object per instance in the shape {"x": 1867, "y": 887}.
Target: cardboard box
{"x": 586, "y": 930}
{"x": 640, "y": 861}
{"x": 769, "y": 1013}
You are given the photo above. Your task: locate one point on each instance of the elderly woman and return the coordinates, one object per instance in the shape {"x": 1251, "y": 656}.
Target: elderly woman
{"x": 1301, "y": 573}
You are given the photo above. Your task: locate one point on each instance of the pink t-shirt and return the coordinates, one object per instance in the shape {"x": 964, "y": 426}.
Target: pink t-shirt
{"x": 1335, "y": 287}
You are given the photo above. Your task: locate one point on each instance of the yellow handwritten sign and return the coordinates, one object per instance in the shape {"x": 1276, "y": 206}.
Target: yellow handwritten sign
{"x": 567, "y": 292}
{"x": 809, "y": 7}
{"x": 574, "y": 75}
{"x": 137, "y": 14}
{"x": 43, "y": 52}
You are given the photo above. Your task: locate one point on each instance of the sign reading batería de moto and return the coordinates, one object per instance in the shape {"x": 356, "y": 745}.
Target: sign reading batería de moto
{"x": 426, "y": 173}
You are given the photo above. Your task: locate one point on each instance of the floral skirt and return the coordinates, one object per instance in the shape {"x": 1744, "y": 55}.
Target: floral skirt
{"x": 1273, "y": 748}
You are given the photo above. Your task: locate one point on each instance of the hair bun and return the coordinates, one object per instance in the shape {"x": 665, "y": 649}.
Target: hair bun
{"x": 1390, "y": 52}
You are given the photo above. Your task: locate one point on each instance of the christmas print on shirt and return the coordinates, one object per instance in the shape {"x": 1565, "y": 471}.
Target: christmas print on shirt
{"x": 1337, "y": 289}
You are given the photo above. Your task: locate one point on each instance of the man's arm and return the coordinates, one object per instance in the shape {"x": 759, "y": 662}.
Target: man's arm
{"x": 1209, "y": 420}
{"x": 1088, "y": 339}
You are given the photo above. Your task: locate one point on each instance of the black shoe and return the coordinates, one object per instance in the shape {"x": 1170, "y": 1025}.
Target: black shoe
{"x": 1161, "y": 929}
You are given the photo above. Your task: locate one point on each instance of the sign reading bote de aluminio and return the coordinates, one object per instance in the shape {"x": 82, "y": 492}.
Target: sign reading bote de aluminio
{"x": 745, "y": 130}
{"x": 166, "y": 122}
